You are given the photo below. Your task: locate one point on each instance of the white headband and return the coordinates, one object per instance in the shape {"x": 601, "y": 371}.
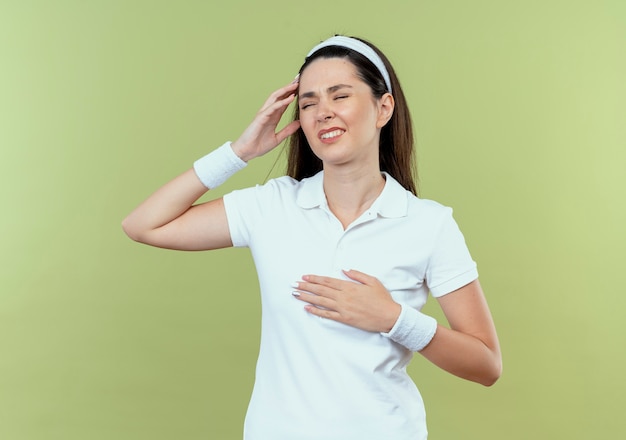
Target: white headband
{"x": 357, "y": 46}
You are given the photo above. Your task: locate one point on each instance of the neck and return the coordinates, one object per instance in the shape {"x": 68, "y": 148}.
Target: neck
{"x": 350, "y": 192}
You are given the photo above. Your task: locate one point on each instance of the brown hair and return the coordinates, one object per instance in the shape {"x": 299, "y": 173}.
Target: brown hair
{"x": 396, "y": 152}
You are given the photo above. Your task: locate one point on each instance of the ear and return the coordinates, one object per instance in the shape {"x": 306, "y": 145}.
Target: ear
{"x": 386, "y": 104}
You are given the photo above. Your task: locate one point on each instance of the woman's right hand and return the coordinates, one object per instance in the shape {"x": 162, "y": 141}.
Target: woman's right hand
{"x": 261, "y": 135}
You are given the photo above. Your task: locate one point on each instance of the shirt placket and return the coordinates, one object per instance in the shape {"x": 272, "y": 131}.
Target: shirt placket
{"x": 341, "y": 253}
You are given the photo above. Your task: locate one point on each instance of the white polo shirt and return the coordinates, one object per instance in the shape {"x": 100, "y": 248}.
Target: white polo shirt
{"x": 317, "y": 379}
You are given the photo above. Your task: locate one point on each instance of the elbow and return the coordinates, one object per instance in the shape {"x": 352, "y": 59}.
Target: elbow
{"x": 140, "y": 233}
{"x": 492, "y": 374}
{"x": 490, "y": 380}
{"x": 132, "y": 232}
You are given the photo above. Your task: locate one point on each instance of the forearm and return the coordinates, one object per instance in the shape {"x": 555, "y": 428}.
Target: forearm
{"x": 166, "y": 204}
{"x": 465, "y": 356}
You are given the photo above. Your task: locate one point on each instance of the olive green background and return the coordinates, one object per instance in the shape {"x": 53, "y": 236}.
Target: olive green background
{"x": 520, "y": 116}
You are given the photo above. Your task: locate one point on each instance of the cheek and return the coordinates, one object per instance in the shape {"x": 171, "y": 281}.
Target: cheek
{"x": 307, "y": 126}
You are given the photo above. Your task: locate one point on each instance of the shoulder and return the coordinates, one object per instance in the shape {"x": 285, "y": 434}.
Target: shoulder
{"x": 284, "y": 184}
{"x": 397, "y": 202}
{"x": 431, "y": 217}
{"x": 427, "y": 207}
{"x": 438, "y": 215}
{"x": 274, "y": 190}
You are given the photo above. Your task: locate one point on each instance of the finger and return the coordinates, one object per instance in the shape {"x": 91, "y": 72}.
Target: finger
{"x": 275, "y": 110}
{"x": 333, "y": 283}
{"x": 280, "y": 94}
{"x": 315, "y": 300}
{"x": 316, "y": 289}
{"x": 360, "y": 277}
{"x": 287, "y": 131}
{"x": 323, "y": 313}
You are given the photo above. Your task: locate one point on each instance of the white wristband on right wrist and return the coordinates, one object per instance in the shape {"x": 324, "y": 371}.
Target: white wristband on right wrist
{"x": 413, "y": 329}
{"x": 217, "y": 166}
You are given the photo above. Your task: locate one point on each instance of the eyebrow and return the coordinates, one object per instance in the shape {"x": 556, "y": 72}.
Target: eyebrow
{"x": 329, "y": 90}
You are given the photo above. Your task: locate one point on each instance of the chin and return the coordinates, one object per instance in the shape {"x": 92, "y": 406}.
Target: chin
{"x": 332, "y": 158}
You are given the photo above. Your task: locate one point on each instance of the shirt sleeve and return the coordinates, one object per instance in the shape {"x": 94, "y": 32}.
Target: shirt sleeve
{"x": 451, "y": 265}
{"x": 252, "y": 210}
{"x": 242, "y": 208}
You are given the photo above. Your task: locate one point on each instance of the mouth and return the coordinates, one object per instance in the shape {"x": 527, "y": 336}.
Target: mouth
{"x": 329, "y": 135}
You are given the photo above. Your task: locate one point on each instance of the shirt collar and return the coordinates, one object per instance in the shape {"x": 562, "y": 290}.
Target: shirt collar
{"x": 392, "y": 201}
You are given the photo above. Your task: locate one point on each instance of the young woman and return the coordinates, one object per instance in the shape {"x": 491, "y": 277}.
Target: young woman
{"x": 346, "y": 254}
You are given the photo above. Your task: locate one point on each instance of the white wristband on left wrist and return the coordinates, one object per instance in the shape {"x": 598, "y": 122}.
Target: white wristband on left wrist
{"x": 413, "y": 329}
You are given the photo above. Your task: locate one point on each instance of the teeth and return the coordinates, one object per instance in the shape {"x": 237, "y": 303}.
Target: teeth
{"x": 331, "y": 134}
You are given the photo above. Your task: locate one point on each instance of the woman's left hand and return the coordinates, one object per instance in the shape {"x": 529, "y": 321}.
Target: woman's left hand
{"x": 364, "y": 304}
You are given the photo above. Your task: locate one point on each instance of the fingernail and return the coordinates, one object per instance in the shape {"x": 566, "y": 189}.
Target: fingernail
{"x": 295, "y": 293}
{"x": 295, "y": 285}
{"x": 296, "y": 79}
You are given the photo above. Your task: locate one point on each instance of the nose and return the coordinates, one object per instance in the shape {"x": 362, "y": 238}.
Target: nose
{"x": 324, "y": 111}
